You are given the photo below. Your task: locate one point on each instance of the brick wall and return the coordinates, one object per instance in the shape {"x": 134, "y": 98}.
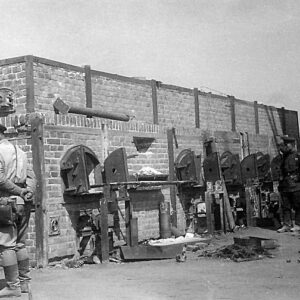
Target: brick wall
{"x": 116, "y": 95}
{"x": 214, "y": 112}
{"x": 13, "y": 76}
{"x": 221, "y": 117}
{"x": 51, "y": 82}
{"x": 175, "y": 105}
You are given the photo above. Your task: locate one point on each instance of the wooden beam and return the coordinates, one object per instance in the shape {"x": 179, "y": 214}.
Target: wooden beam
{"x": 131, "y": 225}
{"x": 256, "y": 119}
{"x": 30, "y": 105}
{"x": 172, "y": 177}
{"x": 104, "y": 224}
{"x": 232, "y": 109}
{"x": 197, "y": 114}
{"x": 88, "y": 86}
{"x": 249, "y": 193}
{"x": 38, "y": 161}
{"x": 12, "y": 61}
{"x": 154, "y": 101}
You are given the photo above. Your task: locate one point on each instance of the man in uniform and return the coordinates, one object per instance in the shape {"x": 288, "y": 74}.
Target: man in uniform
{"x": 17, "y": 188}
{"x": 289, "y": 184}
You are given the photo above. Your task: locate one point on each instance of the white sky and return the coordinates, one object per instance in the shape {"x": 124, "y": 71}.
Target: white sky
{"x": 246, "y": 48}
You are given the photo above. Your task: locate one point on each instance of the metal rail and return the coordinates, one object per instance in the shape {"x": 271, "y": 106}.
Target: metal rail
{"x": 146, "y": 183}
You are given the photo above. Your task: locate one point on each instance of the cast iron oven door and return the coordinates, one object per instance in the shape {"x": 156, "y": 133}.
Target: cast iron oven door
{"x": 263, "y": 166}
{"x": 188, "y": 166}
{"x": 276, "y": 167}
{"x": 249, "y": 168}
{"x": 211, "y": 168}
{"x": 231, "y": 168}
{"x": 76, "y": 167}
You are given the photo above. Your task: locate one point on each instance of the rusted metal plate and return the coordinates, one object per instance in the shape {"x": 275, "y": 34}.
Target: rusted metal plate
{"x": 253, "y": 241}
{"x": 249, "y": 167}
{"x": 146, "y": 252}
{"x": 263, "y": 166}
{"x": 115, "y": 166}
{"x": 275, "y": 168}
{"x": 231, "y": 168}
{"x": 211, "y": 168}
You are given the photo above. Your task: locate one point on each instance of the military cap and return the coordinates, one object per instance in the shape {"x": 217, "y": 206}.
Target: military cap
{"x": 2, "y": 128}
{"x": 288, "y": 139}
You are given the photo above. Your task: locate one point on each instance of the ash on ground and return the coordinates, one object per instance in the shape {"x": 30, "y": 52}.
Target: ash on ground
{"x": 237, "y": 253}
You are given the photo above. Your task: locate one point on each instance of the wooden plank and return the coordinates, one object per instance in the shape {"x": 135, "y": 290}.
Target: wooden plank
{"x": 283, "y": 120}
{"x": 228, "y": 216}
{"x": 30, "y": 105}
{"x": 256, "y": 118}
{"x": 197, "y": 114}
{"x": 222, "y": 213}
{"x": 38, "y": 161}
{"x": 147, "y": 252}
{"x": 88, "y": 86}
{"x": 249, "y": 208}
{"x": 154, "y": 101}
{"x": 128, "y": 217}
{"x": 209, "y": 215}
{"x": 104, "y": 224}
{"x": 134, "y": 239}
{"x": 172, "y": 177}
{"x": 227, "y": 208}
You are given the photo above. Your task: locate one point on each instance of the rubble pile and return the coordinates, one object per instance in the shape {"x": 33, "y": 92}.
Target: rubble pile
{"x": 237, "y": 253}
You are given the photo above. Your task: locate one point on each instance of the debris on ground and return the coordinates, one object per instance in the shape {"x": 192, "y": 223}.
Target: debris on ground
{"x": 187, "y": 239}
{"x": 196, "y": 247}
{"x": 75, "y": 262}
{"x": 237, "y": 253}
{"x": 182, "y": 256}
{"x": 67, "y": 263}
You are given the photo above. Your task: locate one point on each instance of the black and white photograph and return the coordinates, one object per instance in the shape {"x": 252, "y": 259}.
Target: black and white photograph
{"x": 149, "y": 149}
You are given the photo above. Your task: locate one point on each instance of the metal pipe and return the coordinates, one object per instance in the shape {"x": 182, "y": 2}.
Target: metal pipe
{"x": 62, "y": 107}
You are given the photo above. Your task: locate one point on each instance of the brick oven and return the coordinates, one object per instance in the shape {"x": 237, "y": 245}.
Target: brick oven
{"x": 155, "y": 108}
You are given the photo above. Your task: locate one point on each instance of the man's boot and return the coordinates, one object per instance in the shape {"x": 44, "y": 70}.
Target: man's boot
{"x": 284, "y": 228}
{"x": 24, "y": 270}
{"x": 10, "y": 267}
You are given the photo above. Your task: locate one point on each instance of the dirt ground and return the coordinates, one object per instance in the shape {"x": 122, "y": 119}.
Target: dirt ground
{"x": 204, "y": 278}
